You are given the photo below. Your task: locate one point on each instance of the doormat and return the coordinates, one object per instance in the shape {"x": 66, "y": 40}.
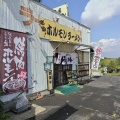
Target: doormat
{"x": 62, "y": 113}
{"x": 67, "y": 89}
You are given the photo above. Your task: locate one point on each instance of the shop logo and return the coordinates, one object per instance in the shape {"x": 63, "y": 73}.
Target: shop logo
{"x": 27, "y": 12}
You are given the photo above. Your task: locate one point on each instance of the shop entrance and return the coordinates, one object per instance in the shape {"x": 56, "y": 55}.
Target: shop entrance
{"x": 60, "y": 77}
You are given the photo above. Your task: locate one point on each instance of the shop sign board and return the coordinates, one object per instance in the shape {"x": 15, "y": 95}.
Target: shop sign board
{"x": 96, "y": 58}
{"x": 66, "y": 58}
{"x": 13, "y": 61}
{"x": 54, "y": 31}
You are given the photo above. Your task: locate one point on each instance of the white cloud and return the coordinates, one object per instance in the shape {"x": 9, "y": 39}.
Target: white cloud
{"x": 110, "y": 47}
{"x": 97, "y": 11}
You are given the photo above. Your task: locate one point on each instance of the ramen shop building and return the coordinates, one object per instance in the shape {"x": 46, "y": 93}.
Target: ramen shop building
{"x": 38, "y": 49}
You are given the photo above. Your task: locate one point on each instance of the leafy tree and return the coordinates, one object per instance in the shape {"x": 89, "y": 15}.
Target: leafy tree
{"x": 118, "y": 61}
{"x": 102, "y": 63}
{"x": 112, "y": 64}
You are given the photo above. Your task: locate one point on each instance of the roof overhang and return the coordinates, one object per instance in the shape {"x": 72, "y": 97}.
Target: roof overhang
{"x": 85, "y": 47}
{"x": 67, "y": 42}
{"x": 63, "y": 42}
{"x": 77, "y": 48}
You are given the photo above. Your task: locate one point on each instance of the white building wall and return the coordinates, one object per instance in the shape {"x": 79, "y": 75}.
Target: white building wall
{"x": 38, "y": 49}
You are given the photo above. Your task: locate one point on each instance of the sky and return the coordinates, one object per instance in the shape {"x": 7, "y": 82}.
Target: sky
{"x": 101, "y": 16}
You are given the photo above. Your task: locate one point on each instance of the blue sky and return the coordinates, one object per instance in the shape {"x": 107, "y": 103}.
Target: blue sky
{"x": 102, "y": 16}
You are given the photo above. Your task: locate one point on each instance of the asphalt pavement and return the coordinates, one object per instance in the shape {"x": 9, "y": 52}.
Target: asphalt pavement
{"x": 97, "y": 100}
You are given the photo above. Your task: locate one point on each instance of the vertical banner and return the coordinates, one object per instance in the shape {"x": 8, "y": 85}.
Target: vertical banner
{"x": 96, "y": 58}
{"x": 13, "y": 61}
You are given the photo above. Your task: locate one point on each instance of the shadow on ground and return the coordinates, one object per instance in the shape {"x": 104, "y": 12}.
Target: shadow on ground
{"x": 96, "y": 76}
{"x": 60, "y": 114}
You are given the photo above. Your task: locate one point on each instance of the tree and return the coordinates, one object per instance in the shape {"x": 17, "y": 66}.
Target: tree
{"x": 102, "y": 63}
{"x": 111, "y": 66}
{"x": 118, "y": 65}
{"x": 118, "y": 61}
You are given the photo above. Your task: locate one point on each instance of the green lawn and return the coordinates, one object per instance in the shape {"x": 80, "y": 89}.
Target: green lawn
{"x": 108, "y": 74}
{"x": 113, "y": 74}
{"x": 99, "y": 70}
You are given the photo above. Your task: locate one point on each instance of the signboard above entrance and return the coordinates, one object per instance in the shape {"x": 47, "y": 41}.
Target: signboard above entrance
{"x": 55, "y": 32}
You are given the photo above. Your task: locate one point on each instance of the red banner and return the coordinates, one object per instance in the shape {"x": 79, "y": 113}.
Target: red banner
{"x": 13, "y": 61}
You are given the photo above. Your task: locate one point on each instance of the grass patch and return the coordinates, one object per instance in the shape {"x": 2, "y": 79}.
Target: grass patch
{"x": 112, "y": 74}
{"x": 4, "y": 116}
{"x": 94, "y": 70}
{"x": 99, "y": 70}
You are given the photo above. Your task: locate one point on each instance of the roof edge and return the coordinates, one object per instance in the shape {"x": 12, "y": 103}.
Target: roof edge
{"x": 59, "y": 14}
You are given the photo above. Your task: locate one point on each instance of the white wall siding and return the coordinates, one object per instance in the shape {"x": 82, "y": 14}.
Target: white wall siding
{"x": 39, "y": 50}
{"x": 9, "y": 15}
